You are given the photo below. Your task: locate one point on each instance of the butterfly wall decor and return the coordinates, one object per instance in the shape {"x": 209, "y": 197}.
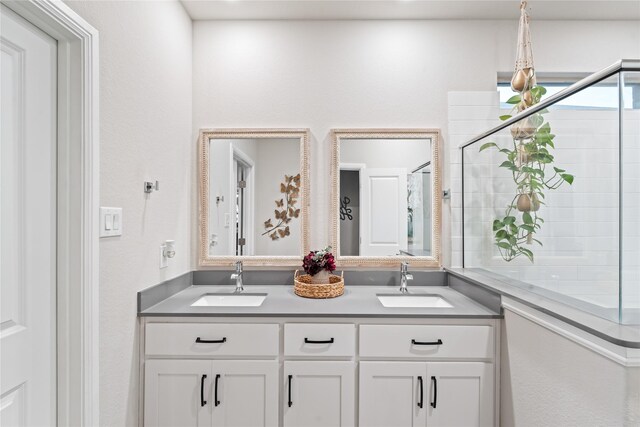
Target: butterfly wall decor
{"x": 286, "y": 209}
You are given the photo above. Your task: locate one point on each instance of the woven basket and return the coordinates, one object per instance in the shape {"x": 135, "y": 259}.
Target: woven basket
{"x": 304, "y": 288}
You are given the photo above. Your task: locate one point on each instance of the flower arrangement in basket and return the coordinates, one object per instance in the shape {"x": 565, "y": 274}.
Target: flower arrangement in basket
{"x": 319, "y": 282}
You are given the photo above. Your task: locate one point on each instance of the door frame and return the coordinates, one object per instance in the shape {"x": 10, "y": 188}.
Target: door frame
{"x": 238, "y": 155}
{"x": 77, "y": 313}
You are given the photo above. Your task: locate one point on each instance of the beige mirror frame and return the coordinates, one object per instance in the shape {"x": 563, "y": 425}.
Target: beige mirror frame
{"x": 387, "y": 261}
{"x": 204, "y": 259}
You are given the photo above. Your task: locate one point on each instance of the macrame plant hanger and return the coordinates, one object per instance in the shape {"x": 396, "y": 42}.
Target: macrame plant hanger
{"x": 524, "y": 78}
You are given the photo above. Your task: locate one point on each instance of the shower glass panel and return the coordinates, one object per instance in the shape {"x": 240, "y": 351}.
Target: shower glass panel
{"x": 550, "y": 200}
{"x": 418, "y": 211}
{"x": 630, "y": 199}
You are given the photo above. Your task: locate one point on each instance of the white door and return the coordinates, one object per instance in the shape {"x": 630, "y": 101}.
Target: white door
{"x": 27, "y": 223}
{"x": 393, "y": 394}
{"x": 383, "y": 217}
{"x": 246, "y": 393}
{"x": 460, "y": 394}
{"x": 178, "y": 393}
{"x": 319, "y": 394}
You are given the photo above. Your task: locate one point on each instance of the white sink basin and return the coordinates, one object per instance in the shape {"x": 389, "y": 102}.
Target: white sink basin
{"x": 230, "y": 300}
{"x": 413, "y": 301}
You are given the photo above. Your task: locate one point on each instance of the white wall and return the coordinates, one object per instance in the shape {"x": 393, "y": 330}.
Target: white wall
{"x": 549, "y": 380}
{"x": 276, "y": 158}
{"x": 219, "y": 187}
{"x": 386, "y": 153}
{"x": 145, "y": 134}
{"x": 336, "y": 74}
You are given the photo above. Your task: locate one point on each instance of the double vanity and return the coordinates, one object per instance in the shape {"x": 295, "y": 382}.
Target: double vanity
{"x": 241, "y": 349}
{"x": 211, "y": 356}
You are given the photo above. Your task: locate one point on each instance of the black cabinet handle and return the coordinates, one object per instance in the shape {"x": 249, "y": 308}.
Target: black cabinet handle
{"x": 220, "y": 341}
{"x": 308, "y": 341}
{"x": 421, "y": 402}
{"x": 414, "y": 342}
{"x": 215, "y": 392}
{"x": 290, "y": 402}
{"x": 434, "y": 380}
{"x": 202, "y": 401}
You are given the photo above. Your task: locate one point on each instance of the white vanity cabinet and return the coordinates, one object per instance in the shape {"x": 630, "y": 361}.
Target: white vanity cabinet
{"x": 319, "y": 394}
{"x": 390, "y": 392}
{"x": 247, "y": 393}
{"x": 411, "y": 394}
{"x": 221, "y": 393}
{"x": 172, "y": 393}
{"x": 319, "y": 389}
{"x": 223, "y": 387}
{"x": 452, "y": 384}
{"x": 459, "y": 394}
{"x": 299, "y": 373}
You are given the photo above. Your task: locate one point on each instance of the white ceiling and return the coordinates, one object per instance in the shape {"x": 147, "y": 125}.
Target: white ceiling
{"x": 411, "y": 9}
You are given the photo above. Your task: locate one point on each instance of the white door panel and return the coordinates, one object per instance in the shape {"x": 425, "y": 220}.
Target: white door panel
{"x": 384, "y": 211}
{"x": 12, "y": 405}
{"x": 247, "y": 393}
{"x": 464, "y": 394}
{"x": 390, "y": 393}
{"x": 27, "y": 223}
{"x": 322, "y": 394}
{"x": 177, "y": 393}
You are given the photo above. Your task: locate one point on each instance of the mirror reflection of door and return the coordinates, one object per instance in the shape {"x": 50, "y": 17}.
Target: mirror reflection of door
{"x": 384, "y": 206}
{"x": 385, "y": 185}
{"x": 373, "y": 203}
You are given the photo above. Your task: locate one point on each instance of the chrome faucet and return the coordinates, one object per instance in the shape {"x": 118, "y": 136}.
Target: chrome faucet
{"x": 404, "y": 277}
{"x": 237, "y": 276}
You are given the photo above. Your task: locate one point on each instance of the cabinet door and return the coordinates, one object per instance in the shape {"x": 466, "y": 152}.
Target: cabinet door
{"x": 173, "y": 390}
{"x": 245, "y": 393}
{"x": 460, "y": 394}
{"x": 393, "y": 394}
{"x": 319, "y": 394}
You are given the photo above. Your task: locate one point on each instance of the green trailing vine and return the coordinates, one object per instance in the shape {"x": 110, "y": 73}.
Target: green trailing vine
{"x": 529, "y": 160}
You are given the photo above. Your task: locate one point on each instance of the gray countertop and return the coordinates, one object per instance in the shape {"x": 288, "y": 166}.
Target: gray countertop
{"x": 616, "y": 333}
{"x": 473, "y": 293}
{"x": 357, "y": 301}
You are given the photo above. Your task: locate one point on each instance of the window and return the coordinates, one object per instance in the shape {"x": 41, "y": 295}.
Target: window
{"x": 603, "y": 95}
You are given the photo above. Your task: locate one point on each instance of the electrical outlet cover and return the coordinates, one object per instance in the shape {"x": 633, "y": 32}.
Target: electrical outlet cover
{"x": 164, "y": 261}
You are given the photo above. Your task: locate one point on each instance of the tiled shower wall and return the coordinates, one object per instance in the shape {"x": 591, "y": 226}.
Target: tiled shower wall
{"x": 470, "y": 113}
{"x": 580, "y": 233}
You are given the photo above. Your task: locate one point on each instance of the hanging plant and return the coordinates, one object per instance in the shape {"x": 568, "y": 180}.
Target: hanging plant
{"x": 285, "y": 209}
{"x": 529, "y": 160}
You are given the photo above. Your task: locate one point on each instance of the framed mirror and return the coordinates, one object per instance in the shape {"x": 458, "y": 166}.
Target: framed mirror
{"x": 254, "y": 192}
{"x": 386, "y": 197}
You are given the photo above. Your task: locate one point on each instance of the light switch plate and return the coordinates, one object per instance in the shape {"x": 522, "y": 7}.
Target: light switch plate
{"x": 110, "y": 222}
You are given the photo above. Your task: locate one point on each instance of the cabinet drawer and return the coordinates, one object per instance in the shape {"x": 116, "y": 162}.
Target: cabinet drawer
{"x": 432, "y": 341}
{"x": 319, "y": 339}
{"x": 211, "y": 339}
